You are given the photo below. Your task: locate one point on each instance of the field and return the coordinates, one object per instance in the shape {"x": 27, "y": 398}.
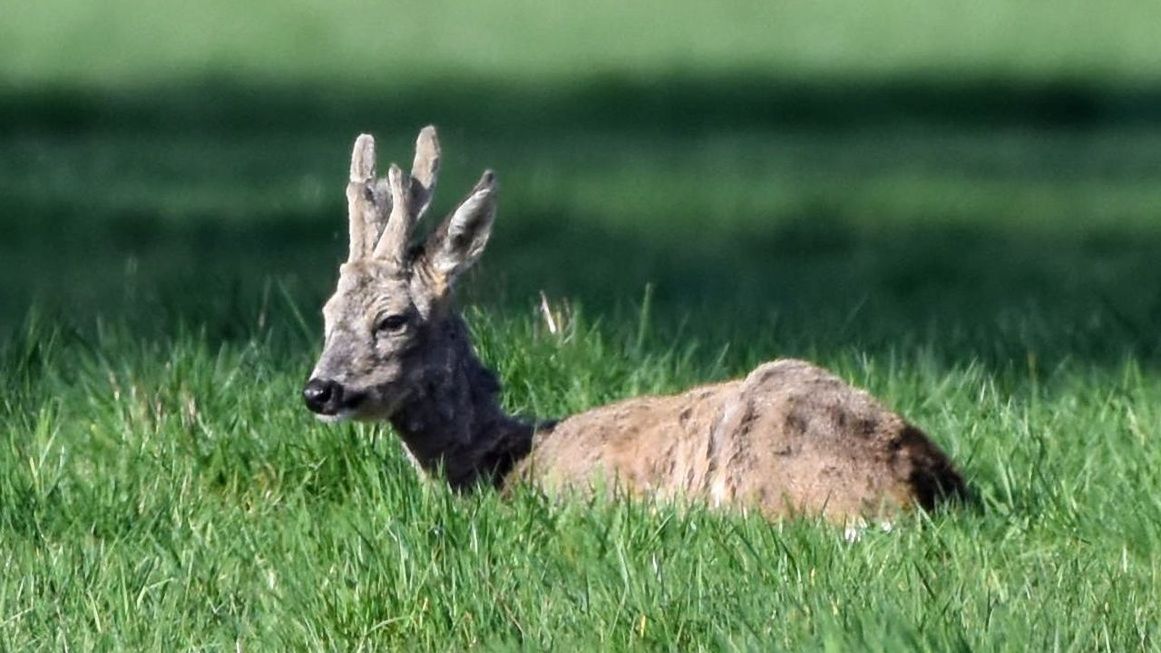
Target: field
{"x": 955, "y": 206}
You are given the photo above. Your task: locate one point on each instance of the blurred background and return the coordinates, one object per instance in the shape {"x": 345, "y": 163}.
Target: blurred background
{"x": 982, "y": 180}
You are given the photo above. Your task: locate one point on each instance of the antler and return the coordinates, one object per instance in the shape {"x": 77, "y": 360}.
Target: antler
{"x": 405, "y": 197}
{"x": 410, "y": 197}
{"x": 366, "y": 199}
{"x": 393, "y": 243}
{"x": 424, "y": 170}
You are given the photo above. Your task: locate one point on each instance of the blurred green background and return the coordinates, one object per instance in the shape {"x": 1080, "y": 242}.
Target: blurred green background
{"x": 984, "y": 176}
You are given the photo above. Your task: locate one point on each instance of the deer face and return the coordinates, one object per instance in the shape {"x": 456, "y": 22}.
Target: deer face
{"x": 373, "y": 330}
{"x": 384, "y": 323}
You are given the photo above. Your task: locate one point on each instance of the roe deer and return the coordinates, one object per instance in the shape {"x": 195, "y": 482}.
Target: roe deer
{"x": 787, "y": 439}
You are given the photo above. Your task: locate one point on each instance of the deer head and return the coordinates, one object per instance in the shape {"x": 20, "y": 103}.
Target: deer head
{"x": 388, "y": 325}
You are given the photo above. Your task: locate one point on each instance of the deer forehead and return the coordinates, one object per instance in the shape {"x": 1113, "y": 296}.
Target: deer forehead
{"x": 365, "y": 293}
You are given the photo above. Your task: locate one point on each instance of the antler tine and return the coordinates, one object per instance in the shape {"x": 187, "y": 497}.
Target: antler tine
{"x": 425, "y": 169}
{"x": 363, "y": 158}
{"x": 392, "y": 244}
{"x": 362, "y": 209}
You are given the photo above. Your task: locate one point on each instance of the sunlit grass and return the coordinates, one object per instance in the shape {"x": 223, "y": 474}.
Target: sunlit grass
{"x": 176, "y": 495}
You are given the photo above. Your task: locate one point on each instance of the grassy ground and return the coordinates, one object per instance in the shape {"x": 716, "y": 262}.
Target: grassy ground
{"x": 957, "y": 209}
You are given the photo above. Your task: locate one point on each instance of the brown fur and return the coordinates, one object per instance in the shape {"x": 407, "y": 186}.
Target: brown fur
{"x": 788, "y": 439}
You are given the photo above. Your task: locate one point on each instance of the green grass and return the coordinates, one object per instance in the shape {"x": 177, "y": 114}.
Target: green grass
{"x": 956, "y": 208}
{"x": 120, "y": 40}
{"x": 174, "y": 495}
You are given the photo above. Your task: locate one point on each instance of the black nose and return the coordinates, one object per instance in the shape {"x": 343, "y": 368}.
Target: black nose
{"x": 323, "y": 396}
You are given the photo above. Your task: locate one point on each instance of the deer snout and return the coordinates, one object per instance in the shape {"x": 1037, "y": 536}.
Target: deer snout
{"x": 323, "y": 396}
{"x": 328, "y": 398}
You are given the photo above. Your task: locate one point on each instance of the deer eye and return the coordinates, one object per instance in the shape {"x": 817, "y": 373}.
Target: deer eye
{"x": 391, "y": 324}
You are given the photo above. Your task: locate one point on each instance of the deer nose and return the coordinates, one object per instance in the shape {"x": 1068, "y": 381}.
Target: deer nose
{"x": 323, "y": 396}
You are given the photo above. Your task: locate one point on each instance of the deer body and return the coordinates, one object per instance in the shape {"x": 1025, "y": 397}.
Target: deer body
{"x": 789, "y": 438}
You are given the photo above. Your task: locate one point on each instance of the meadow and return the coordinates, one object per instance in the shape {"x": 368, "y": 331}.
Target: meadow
{"x": 957, "y": 207}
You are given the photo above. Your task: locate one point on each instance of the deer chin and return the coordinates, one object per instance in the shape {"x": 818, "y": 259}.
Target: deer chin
{"x": 341, "y": 416}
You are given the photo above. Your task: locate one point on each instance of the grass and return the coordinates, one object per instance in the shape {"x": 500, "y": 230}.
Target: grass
{"x": 171, "y": 496}
{"x": 959, "y": 213}
{"x": 64, "y": 41}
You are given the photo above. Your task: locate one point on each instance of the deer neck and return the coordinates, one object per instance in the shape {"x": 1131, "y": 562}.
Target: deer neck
{"x": 452, "y": 423}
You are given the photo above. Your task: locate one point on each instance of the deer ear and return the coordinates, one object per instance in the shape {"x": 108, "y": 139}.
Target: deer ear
{"x": 458, "y": 243}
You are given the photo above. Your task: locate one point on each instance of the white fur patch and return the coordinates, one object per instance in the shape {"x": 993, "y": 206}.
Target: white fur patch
{"x": 341, "y": 416}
